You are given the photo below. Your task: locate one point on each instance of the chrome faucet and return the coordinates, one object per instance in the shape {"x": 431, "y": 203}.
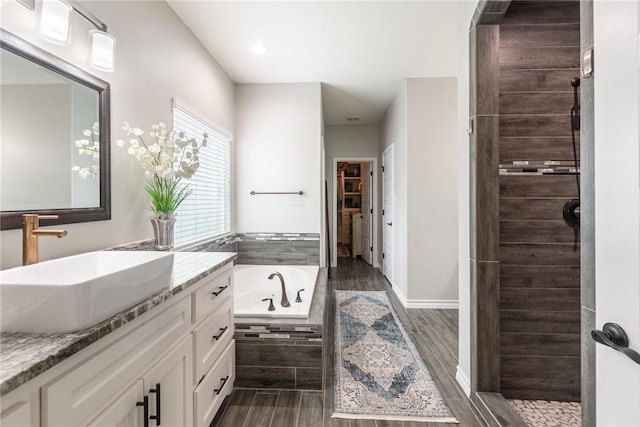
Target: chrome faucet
{"x": 284, "y": 301}
{"x": 30, "y": 233}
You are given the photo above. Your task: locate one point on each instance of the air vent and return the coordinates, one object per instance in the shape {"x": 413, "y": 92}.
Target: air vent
{"x": 352, "y": 118}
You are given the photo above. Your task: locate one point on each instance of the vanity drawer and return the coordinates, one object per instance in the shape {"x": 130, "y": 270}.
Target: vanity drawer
{"x": 212, "y": 336}
{"x": 217, "y": 384}
{"x": 212, "y": 292}
{"x": 80, "y": 395}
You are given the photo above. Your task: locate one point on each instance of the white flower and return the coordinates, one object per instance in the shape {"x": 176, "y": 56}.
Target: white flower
{"x": 165, "y": 157}
{"x": 89, "y": 148}
{"x": 120, "y": 143}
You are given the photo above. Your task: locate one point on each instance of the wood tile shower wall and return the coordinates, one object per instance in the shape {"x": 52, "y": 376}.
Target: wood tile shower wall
{"x": 539, "y": 267}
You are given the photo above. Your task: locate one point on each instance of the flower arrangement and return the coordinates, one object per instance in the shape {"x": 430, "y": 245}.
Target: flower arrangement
{"x": 89, "y": 148}
{"x": 166, "y": 157}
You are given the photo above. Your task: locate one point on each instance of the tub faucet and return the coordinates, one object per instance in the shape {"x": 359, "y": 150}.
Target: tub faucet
{"x": 284, "y": 301}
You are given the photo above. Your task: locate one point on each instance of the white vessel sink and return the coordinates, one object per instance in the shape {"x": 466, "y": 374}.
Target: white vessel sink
{"x": 71, "y": 293}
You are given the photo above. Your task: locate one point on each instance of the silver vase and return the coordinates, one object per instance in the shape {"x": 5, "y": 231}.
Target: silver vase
{"x": 163, "y": 233}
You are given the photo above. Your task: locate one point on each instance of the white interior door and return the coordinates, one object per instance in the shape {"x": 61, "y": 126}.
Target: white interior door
{"x": 367, "y": 213}
{"x": 617, "y": 206}
{"x": 387, "y": 213}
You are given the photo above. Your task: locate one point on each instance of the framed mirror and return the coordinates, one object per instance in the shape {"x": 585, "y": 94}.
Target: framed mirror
{"x": 54, "y": 137}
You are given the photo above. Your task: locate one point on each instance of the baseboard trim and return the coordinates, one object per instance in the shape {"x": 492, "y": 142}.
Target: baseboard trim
{"x": 463, "y": 380}
{"x": 424, "y": 303}
{"x": 432, "y": 304}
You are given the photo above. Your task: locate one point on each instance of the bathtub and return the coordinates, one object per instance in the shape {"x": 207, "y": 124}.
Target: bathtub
{"x": 252, "y": 285}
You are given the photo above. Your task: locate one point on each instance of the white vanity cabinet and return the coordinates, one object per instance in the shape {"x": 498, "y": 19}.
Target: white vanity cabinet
{"x": 18, "y": 415}
{"x": 158, "y": 364}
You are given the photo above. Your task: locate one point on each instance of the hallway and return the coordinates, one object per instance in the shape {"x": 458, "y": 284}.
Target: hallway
{"x": 434, "y": 333}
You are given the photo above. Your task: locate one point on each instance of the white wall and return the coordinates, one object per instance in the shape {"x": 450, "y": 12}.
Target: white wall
{"x": 421, "y": 123}
{"x": 157, "y": 58}
{"x": 463, "y": 374}
{"x": 616, "y": 75}
{"x": 393, "y": 130}
{"x": 278, "y": 147}
{"x": 347, "y": 141}
{"x": 432, "y": 192}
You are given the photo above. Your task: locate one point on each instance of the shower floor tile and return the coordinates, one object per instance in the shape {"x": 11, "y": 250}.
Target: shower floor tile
{"x": 545, "y": 413}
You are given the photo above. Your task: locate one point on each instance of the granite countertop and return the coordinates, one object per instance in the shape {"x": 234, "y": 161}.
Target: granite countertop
{"x": 24, "y": 356}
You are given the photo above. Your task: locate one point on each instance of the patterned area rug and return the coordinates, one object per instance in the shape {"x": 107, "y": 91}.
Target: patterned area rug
{"x": 378, "y": 372}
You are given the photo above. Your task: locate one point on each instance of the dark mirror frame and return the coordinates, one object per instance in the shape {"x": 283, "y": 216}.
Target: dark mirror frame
{"x": 13, "y": 219}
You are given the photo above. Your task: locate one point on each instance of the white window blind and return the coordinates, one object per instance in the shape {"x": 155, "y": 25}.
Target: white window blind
{"x": 206, "y": 213}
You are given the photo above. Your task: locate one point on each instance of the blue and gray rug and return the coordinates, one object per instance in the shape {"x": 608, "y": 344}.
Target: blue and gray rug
{"x": 378, "y": 372}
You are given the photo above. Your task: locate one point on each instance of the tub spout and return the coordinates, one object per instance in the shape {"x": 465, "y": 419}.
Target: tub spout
{"x": 284, "y": 301}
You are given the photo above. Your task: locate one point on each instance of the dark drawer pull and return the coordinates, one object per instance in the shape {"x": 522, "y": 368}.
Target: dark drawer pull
{"x": 220, "y": 289}
{"x": 224, "y": 381}
{"x": 145, "y": 405}
{"x": 157, "y": 415}
{"x": 222, "y": 331}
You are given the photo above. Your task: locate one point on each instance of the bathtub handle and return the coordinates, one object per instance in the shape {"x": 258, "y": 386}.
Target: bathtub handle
{"x": 271, "y": 306}
{"x": 220, "y": 289}
{"x": 222, "y": 331}
{"x": 298, "y": 299}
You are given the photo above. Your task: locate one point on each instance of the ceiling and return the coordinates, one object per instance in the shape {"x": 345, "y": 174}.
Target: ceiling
{"x": 359, "y": 50}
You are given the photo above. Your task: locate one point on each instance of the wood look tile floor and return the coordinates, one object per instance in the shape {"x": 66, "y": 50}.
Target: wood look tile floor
{"x": 434, "y": 333}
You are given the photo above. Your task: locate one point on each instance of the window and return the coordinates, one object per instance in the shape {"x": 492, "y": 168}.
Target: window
{"x": 206, "y": 213}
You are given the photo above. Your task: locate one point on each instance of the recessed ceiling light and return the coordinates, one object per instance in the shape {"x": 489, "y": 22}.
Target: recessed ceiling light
{"x": 352, "y": 118}
{"x": 259, "y": 49}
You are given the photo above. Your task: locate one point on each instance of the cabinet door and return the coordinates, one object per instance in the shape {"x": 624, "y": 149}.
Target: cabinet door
{"x": 124, "y": 411}
{"x": 17, "y": 415}
{"x": 174, "y": 374}
{"x": 79, "y": 395}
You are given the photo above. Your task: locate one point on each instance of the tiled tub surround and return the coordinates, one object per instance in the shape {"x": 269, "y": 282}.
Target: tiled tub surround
{"x": 282, "y": 353}
{"x": 278, "y": 248}
{"x": 24, "y": 356}
{"x": 256, "y": 248}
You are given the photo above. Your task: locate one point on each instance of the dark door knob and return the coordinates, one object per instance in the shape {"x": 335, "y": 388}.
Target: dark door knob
{"x": 612, "y": 335}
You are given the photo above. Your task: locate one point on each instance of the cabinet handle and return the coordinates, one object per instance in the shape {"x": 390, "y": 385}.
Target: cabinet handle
{"x": 145, "y": 406}
{"x": 157, "y": 415}
{"x": 220, "y": 289}
{"x": 224, "y": 381}
{"x": 222, "y": 331}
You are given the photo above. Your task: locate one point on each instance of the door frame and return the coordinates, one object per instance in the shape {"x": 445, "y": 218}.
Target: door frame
{"x": 374, "y": 205}
{"x": 389, "y": 150}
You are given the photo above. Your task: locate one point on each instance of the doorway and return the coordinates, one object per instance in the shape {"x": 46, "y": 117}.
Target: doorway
{"x": 525, "y": 253}
{"x": 354, "y": 213}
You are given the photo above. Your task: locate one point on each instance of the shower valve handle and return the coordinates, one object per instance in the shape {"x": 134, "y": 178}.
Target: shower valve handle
{"x": 612, "y": 335}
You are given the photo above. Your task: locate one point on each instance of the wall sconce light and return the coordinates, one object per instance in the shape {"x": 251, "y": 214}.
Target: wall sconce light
{"x": 55, "y": 28}
{"x": 55, "y": 22}
{"x": 103, "y": 47}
